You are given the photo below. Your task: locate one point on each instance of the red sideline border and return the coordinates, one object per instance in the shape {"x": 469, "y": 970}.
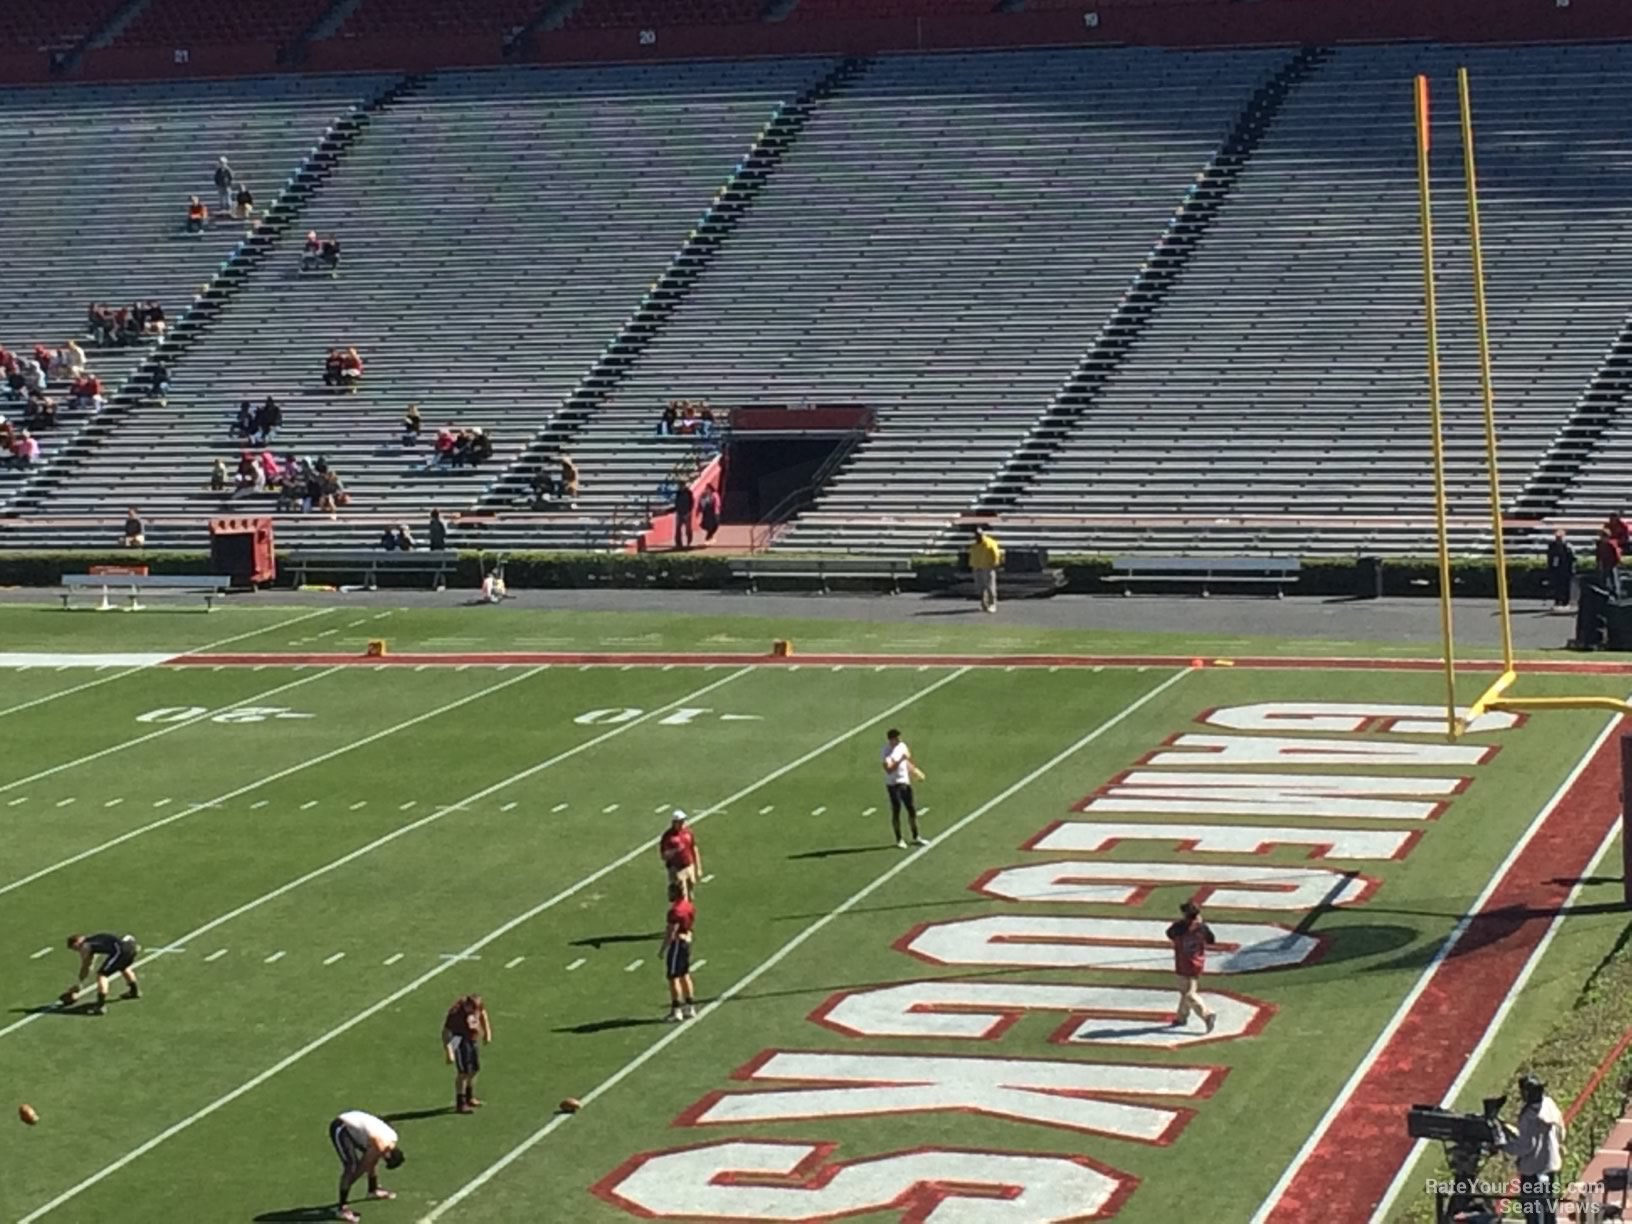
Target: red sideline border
{"x": 1361, "y": 1151}
{"x": 594, "y": 658}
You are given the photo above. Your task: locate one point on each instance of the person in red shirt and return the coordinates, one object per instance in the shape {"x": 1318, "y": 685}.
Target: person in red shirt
{"x": 678, "y": 848}
{"x": 464, "y": 1030}
{"x": 1191, "y": 937}
{"x": 677, "y": 955}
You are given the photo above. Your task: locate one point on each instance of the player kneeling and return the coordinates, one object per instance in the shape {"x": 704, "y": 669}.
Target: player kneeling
{"x": 465, "y": 1030}
{"x": 362, "y": 1142}
{"x": 677, "y": 954}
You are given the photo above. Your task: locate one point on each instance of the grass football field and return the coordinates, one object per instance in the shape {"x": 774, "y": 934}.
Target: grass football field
{"x": 318, "y": 856}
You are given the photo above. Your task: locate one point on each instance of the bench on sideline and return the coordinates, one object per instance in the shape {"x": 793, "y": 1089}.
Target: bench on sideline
{"x": 820, "y": 570}
{"x": 370, "y": 565}
{"x": 210, "y": 586}
{"x": 1207, "y": 572}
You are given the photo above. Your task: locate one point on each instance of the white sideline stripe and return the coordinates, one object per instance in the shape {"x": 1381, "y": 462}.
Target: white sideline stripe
{"x": 394, "y": 958}
{"x": 120, "y": 675}
{"x": 577, "y": 964}
{"x": 46, "y": 951}
{"x": 436, "y": 815}
{"x": 337, "y": 956}
{"x": 497, "y": 933}
{"x": 194, "y": 808}
{"x": 165, "y": 730}
{"x": 216, "y": 955}
{"x": 1496, "y": 1021}
{"x": 787, "y": 949}
{"x": 1421, "y": 984}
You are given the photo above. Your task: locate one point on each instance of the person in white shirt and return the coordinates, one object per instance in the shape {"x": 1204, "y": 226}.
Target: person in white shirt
{"x": 362, "y": 1142}
{"x": 899, "y": 773}
{"x": 1537, "y": 1149}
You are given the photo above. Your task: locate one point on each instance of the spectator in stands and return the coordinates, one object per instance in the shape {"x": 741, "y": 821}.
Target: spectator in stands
{"x": 223, "y": 185}
{"x": 46, "y": 359}
{"x": 248, "y": 475}
{"x": 135, "y": 534}
{"x": 40, "y": 412}
{"x": 708, "y": 510}
{"x": 1608, "y": 559}
{"x": 33, "y": 376}
{"x": 268, "y": 419}
{"x": 155, "y": 322}
{"x": 1618, "y": 528}
{"x": 388, "y": 539}
{"x": 685, "y": 506}
{"x": 25, "y": 450}
{"x": 271, "y": 470}
{"x": 218, "y": 477}
{"x": 331, "y": 368}
{"x": 985, "y": 559}
{"x": 1560, "y": 569}
{"x": 569, "y": 479}
{"x": 68, "y": 362}
{"x": 331, "y": 493}
{"x": 99, "y": 324}
{"x": 438, "y": 532}
{"x": 131, "y": 323}
{"x": 159, "y": 383}
{"x": 442, "y": 451}
{"x": 243, "y": 426}
{"x": 405, "y": 539}
{"x": 8, "y": 435}
{"x": 197, "y": 215}
{"x": 243, "y": 202}
{"x": 351, "y": 369}
{"x": 705, "y": 422}
{"x": 309, "y": 253}
{"x": 670, "y": 418}
{"x": 478, "y": 446}
{"x": 545, "y": 489}
{"x": 328, "y": 256}
{"x": 86, "y": 392}
{"x": 411, "y": 425}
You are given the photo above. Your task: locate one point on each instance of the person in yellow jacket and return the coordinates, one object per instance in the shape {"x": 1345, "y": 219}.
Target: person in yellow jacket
{"x": 985, "y": 557}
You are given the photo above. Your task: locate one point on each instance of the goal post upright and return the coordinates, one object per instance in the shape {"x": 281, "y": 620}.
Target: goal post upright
{"x": 1436, "y": 426}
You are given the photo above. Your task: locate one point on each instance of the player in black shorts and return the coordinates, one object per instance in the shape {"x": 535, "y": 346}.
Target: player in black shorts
{"x": 119, "y": 953}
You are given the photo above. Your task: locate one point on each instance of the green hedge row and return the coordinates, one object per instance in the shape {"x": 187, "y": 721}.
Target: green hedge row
{"x": 701, "y": 571}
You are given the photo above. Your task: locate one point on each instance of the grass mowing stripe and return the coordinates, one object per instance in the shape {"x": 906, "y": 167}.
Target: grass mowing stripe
{"x": 1363, "y": 1068}
{"x": 491, "y": 937}
{"x": 165, "y": 730}
{"x": 131, "y": 671}
{"x": 193, "y": 809}
{"x": 1477, "y": 1056}
{"x": 787, "y": 949}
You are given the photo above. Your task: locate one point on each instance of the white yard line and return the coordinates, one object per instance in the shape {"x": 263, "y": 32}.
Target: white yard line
{"x": 42, "y": 952}
{"x": 338, "y": 956}
{"x": 162, "y": 731}
{"x": 1489, "y": 1035}
{"x": 491, "y": 937}
{"x": 577, "y": 964}
{"x": 193, "y": 809}
{"x": 511, "y": 964}
{"x": 131, "y": 671}
{"x": 1421, "y": 984}
{"x": 216, "y": 955}
{"x": 634, "y": 964}
{"x": 787, "y": 949}
{"x": 393, "y": 958}
{"x": 274, "y": 958}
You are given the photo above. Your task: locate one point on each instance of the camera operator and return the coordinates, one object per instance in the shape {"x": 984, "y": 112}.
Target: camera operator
{"x": 1537, "y": 1148}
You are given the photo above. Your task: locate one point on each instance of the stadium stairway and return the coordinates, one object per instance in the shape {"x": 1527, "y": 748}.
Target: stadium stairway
{"x": 624, "y": 444}
{"x": 147, "y": 147}
{"x": 1160, "y": 270}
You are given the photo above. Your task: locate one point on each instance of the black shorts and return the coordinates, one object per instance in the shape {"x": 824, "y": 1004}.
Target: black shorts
{"x": 901, "y": 796}
{"x": 677, "y": 959}
{"x": 121, "y": 958}
{"x": 467, "y": 1055}
{"x": 346, "y": 1146}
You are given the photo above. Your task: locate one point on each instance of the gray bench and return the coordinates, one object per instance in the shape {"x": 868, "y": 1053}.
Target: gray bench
{"x": 368, "y": 566}
{"x": 1207, "y": 572}
{"x": 820, "y": 570}
{"x": 210, "y": 586}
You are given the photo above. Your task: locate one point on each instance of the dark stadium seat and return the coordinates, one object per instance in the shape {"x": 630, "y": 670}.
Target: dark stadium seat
{"x": 191, "y": 23}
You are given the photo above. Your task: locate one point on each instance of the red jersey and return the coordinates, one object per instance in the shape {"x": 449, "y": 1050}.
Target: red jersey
{"x": 682, "y": 917}
{"x": 1190, "y": 942}
{"x": 678, "y": 848}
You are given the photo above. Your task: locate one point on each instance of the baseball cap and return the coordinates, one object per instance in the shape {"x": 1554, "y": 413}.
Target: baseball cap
{"x": 677, "y": 814}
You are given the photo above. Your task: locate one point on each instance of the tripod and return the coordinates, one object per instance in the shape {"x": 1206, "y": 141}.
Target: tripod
{"x": 1464, "y": 1204}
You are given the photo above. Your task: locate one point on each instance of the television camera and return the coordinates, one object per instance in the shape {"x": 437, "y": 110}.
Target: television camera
{"x": 1469, "y": 1139}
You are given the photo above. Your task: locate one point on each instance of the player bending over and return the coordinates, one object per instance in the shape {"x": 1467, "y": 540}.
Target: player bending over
{"x": 681, "y": 854}
{"x": 1191, "y": 938}
{"x": 119, "y": 953}
{"x": 899, "y": 772}
{"x": 677, "y": 954}
{"x": 465, "y": 1030}
{"x": 362, "y": 1141}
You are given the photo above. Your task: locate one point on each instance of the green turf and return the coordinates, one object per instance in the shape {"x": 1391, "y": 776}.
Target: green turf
{"x": 447, "y": 844}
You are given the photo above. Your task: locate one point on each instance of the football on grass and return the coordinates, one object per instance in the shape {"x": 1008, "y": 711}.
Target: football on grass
{"x": 571, "y": 1105}
{"x": 27, "y": 1114}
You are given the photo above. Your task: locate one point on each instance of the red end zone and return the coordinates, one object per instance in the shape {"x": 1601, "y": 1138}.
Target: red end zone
{"x": 1355, "y": 1158}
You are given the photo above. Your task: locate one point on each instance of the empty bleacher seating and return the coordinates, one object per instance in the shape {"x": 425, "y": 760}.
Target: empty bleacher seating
{"x": 431, "y": 18}
{"x": 655, "y": 14}
{"x": 191, "y": 23}
{"x": 51, "y": 25}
